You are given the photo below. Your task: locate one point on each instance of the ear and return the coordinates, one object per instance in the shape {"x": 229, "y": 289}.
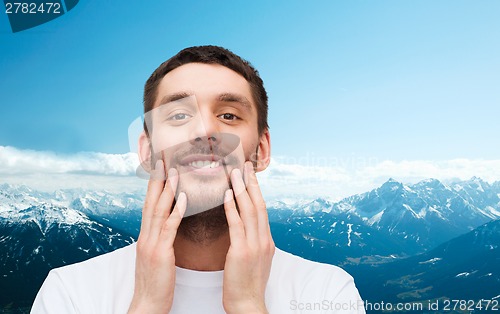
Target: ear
{"x": 145, "y": 151}
{"x": 263, "y": 151}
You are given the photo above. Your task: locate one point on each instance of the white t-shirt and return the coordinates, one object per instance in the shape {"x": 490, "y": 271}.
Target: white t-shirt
{"x": 105, "y": 284}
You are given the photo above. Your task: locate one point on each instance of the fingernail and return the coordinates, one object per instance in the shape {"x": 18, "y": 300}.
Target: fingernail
{"x": 228, "y": 196}
{"x": 237, "y": 181}
{"x": 248, "y": 172}
{"x": 172, "y": 172}
{"x": 173, "y": 178}
{"x": 236, "y": 173}
{"x": 158, "y": 173}
{"x": 249, "y": 166}
{"x": 158, "y": 165}
{"x": 181, "y": 197}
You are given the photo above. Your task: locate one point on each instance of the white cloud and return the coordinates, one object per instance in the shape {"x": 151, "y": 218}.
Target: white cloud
{"x": 342, "y": 179}
{"x": 48, "y": 171}
{"x": 16, "y": 161}
{"x": 329, "y": 178}
{"x": 415, "y": 170}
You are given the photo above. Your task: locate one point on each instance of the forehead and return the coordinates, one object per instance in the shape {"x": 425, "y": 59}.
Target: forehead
{"x": 205, "y": 81}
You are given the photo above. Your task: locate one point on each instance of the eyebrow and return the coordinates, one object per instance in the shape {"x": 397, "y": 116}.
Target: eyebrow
{"x": 174, "y": 97}
{"x": 242, "y": 100}
{"x": 225, "y": 97}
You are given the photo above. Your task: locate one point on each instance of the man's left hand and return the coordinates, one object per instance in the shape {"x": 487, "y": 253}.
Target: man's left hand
{"x": 250, "y": 254}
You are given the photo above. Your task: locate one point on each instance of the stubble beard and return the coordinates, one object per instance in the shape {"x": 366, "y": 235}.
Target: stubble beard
{"x": 205, "y": 227}
{"x": 210, "y": 222}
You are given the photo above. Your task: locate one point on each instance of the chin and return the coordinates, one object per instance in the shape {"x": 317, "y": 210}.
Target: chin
{"x": 204, "y": 227}
{"x": 203, "y": 197}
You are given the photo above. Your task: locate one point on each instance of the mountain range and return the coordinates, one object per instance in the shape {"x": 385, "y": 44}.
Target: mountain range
{"x": 394, "y": 220}
{"x": 464, "y": 268}
{"x": 40, "y": 231}
{"x": 419, "y": 241}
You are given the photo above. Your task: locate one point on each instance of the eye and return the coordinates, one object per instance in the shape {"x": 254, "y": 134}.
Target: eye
{"x": 228, "y": 116}
{"x": 179, "y": 116}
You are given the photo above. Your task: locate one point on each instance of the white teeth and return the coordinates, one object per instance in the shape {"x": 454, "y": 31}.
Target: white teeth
{"x": 204, "y": 164}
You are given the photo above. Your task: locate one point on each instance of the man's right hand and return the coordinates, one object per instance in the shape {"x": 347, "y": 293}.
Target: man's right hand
{"x": 155, "y": 260}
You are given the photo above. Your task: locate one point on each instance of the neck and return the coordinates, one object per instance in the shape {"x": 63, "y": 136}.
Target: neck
{"x": 202, "y": 256}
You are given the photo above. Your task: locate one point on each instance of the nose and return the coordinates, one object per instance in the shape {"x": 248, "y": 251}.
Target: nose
{"x": 205, "y": 131}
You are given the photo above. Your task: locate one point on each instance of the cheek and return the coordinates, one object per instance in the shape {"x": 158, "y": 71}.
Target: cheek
{"x": 158, "y": 141}
{"x": 250, "y": 148}
{"x": 164, "y": 138}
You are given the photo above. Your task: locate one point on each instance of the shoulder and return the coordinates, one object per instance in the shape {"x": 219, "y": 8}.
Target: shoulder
{"x": 304, "y": 283}
{"x": 104, "y": 282}
{"x": 118, "y": 260}
{"x": 111, "y": 271}
{"x": 300, "y": 269}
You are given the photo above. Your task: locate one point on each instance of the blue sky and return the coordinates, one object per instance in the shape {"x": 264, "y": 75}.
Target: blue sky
{"x": 390, "y": 80}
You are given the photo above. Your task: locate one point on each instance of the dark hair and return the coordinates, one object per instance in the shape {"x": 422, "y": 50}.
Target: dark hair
{"x": 211, "y": 55}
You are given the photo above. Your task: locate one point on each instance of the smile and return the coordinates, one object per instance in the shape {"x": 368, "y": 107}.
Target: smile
{"x": 204, "y": 164}
{"x": 199, "y": 164}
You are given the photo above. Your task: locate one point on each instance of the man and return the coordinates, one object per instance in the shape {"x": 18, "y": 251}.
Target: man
{"x": 205, "y": 244}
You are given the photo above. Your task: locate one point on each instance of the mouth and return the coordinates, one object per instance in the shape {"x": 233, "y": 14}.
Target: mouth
{"x": 203, "y": 164}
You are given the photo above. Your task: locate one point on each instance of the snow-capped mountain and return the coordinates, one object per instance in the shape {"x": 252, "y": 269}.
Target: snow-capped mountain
{"x": 117, "y": 210}
{"x": 120, "y": 210}
{"x": 97, "y": 202}
{"x": 38, "y": 232}
{"x": 411, "y": 218}
{"x": 338, "y": 240}
{"x": 465, "y": 268}
{"x": 496, "y": 187}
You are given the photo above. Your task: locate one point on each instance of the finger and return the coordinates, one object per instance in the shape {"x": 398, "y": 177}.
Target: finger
{"x": 255, "y": 195}
{"x": 172, "y": 175}
{"x": 165, "y": 201}
{"x": 171, "y": 224}
{"x": 155, "y": 187}
{"x": 252, "y": 186}
{"x": 236, "y": 228}
{"x": 248, "y": 212}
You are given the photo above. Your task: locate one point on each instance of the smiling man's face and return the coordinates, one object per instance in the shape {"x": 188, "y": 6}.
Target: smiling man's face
{"x": 204, "y": 124}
